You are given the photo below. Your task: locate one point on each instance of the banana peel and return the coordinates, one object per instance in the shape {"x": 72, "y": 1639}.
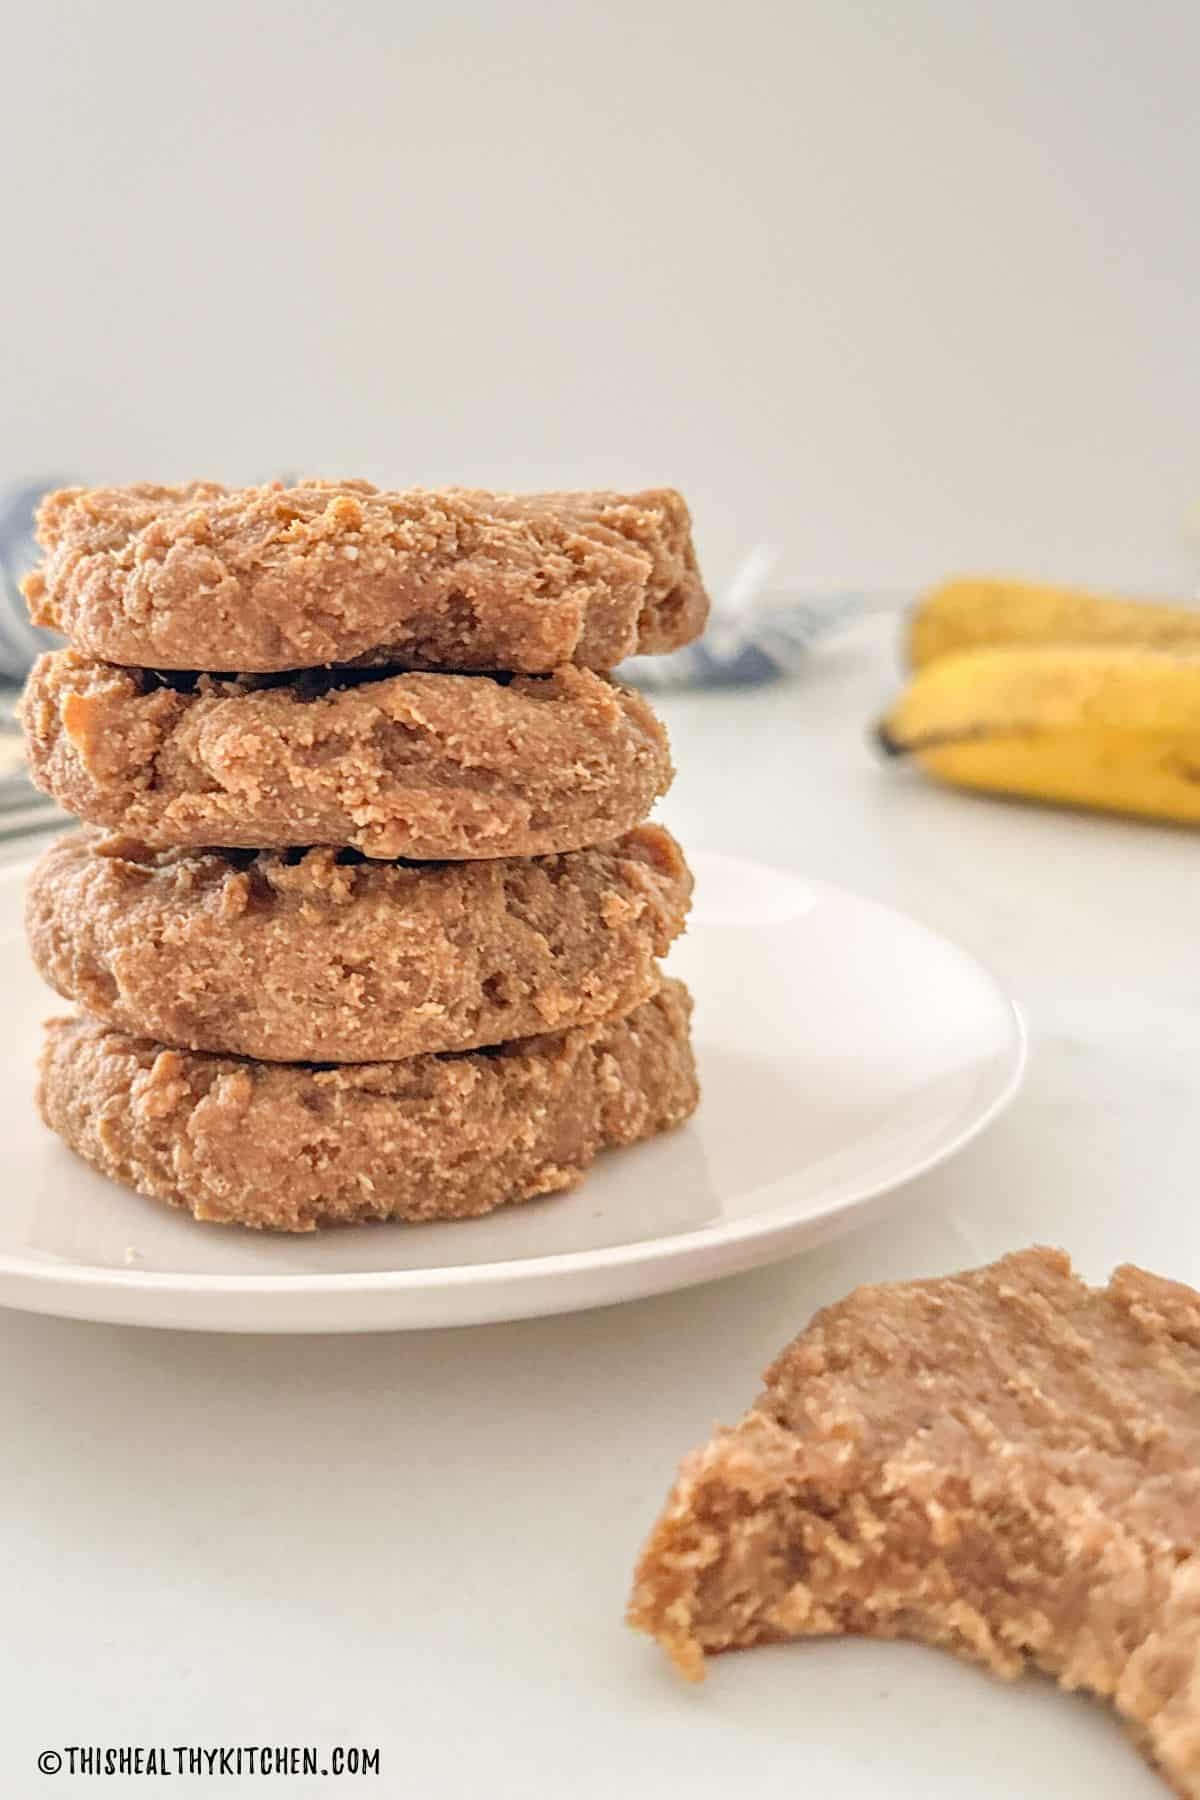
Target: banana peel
{"x": 1110, "y": 727}
{"x": 980, "y": 613}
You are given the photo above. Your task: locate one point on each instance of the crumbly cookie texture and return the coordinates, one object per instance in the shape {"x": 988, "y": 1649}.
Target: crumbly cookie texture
{"x": 275, "y": 577}
{"x": 416, "y": 765}
{"x": 1005, "y": 1463}
{"x": 290, "y": 1148}
{"x": 320, "y": 956}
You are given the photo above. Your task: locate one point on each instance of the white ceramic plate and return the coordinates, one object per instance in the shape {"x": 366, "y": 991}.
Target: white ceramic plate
{"x": 843, "y": 1049}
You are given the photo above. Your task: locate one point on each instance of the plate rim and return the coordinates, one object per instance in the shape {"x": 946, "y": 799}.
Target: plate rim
{"x": 760, "y": 1232}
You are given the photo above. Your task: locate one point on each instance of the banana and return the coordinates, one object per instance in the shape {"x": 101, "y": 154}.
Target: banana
{"x": 970, "y": 614}
{"x": 1115, "y": 728}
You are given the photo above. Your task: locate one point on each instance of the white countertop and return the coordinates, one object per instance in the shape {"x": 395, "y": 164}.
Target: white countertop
{"x": 423, "y": 1542}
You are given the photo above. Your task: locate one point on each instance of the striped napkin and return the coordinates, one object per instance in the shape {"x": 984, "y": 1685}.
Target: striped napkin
{"x": 757, "y": 633}
{"x": 20, "y": 641}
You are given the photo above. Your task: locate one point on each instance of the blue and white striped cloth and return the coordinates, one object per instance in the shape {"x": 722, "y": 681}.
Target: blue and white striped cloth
{"x": 757, "y": 632}
{"x": 20, "y": 641}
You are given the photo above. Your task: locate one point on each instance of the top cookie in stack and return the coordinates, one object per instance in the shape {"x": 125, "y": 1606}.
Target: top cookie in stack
{"x": 258, "y": 580}
{"x": 334, "y": 673}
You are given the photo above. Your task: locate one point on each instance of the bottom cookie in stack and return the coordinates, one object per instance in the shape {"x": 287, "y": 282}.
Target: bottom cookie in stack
{"x": 292, "y": 1147}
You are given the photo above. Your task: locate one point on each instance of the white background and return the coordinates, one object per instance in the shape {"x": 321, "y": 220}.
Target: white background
{"x": 899, "y": 285}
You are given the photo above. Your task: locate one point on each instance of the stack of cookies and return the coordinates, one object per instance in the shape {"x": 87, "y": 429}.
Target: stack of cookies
{"x": 364, "y": 920}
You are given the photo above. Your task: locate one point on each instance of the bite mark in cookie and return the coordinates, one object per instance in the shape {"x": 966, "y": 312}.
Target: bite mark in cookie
{"x": 1005, "y": 1463}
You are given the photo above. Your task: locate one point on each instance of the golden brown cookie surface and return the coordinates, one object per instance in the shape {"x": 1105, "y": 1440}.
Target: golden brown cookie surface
{"x": 425, "y": 766}
{"x": 319, "y": 956}
{"x": 288, "y": 1147}
{"x": 274, "y": 577}
{"x": 1005, "y": 1463}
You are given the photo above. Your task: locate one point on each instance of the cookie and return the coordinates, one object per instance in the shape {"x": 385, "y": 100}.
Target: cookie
{"x": 267, "y": 578}
{"x": 289, "y": 1148}
{"x": 416, "y": 765}
{"x": 1005, "y": 1463}
{"x": 320, "y": 956}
